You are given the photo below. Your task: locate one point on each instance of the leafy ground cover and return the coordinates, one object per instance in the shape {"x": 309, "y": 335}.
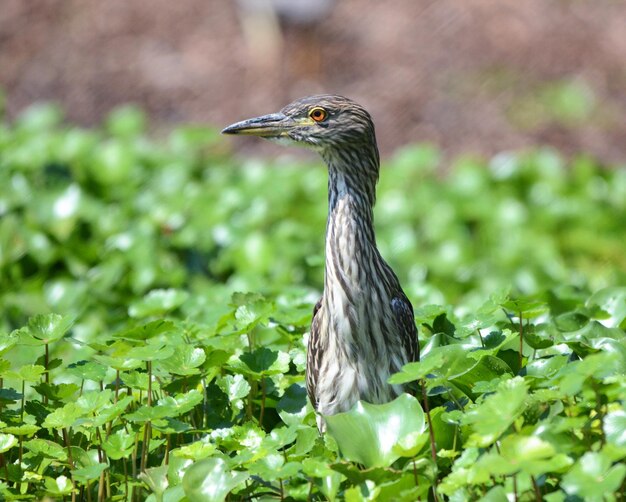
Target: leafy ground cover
{"x": 155, "y": 302}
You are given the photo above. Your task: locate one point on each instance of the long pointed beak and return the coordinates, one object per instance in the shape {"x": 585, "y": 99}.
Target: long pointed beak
{"x": 268, "y": 126}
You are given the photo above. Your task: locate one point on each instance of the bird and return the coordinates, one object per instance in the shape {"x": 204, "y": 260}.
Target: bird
{"x": 363, "y": 327}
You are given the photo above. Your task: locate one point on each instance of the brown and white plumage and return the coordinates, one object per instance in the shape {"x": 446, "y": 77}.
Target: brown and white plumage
{"x": 363, "y": 328}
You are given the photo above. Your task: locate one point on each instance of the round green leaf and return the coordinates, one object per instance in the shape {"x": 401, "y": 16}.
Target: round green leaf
{"x": 90, "y": 472}
{"x": 593, "y": 477}
{"x": 211, "y": 480}
{"x": 615, "y": 428}
{"x": 49, "y": 327}
{"x": 46, "y": 448}
{"x": 184, "y": 361}
{"x": 368, "y": 432}
{"x": 7, "y": 441}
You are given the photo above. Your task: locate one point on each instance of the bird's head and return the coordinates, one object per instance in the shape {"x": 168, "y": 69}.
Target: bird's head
{"x": 324, "y": 122}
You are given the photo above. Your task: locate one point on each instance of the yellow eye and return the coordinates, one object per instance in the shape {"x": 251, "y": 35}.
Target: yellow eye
{"x": 318, "y": 114}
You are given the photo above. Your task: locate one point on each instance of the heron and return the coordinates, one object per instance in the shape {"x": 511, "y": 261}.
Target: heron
{"x": 363, "y": 328}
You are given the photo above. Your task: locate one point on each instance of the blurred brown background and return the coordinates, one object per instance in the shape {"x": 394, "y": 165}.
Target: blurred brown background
{"x": 470, "y": 75}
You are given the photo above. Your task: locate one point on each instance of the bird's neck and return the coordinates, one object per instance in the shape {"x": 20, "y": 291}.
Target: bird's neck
{"x": 353, "y": 174}
{"x": 350, "y": 237}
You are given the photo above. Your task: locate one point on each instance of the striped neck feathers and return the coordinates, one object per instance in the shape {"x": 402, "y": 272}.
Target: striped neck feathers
{"x": 353, "y": 173}
{"x": 350, "y": 239}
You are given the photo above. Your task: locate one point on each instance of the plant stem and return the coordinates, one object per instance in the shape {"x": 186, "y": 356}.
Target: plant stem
{"x": 599, "y": 412}
{"x": 46, "y": 373}
{"x": 66, "y": 438}
{"x": 254, "y": 386}
{"x": 262, "y": 412}
{"x": 23, "y": 401}
{"x": 149, "y": 368}
{"x": 538, "y": 496}
{"x": 6, "y": 467}
{"x": 431, "y": 434}
{"x": 117, "y": 385}
{"x": 101, "y": 459}
{"x": 521, "y": 341}
{"x": 125, "y": 464}
{"x": 147, "y": 427}
{"x": 101, "y": 488}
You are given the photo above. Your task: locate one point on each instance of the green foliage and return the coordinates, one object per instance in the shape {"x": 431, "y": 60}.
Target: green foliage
{"x": 132, "y": 368}
{"x": 567, "y": 103}
{"x": 377, "y": 435}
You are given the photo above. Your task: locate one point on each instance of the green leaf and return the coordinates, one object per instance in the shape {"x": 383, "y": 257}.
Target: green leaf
{"x": 168, "y": 406}
{"x": 107, "y": 413}
{"x": 496, "y": 494}
{"x": 92, "y": 402}
{"x": 572, "y": 377}
{"x": 88, "y": 370}
{"x": 491, "y": 417}
{"x": 196, "y": 451}
{"x": 545, "y": 368}
{"x": 614, "y": 424}
{"x": 487, "y": 368}
{"x": 47, "y": 448}
{"x": 418, "y": 370}
{"x": 7, "y": 342}
{"x": 235, "y": 387}
{"x": 22, "y": 430}
{"x": 184, "y": 361}
{"x": 368, "y": 433}
{"x": 611, "y": 300}
{"x": 571, "y": 321}
{"x": 156, "y": 479}
{"x": 528, "y": 307}
{"x": 411, "y": 444}
{"x": 144, "y": 332}
{"x": 28, "y": 373}
{"x": 272, "y": 467}
{"x": 211, "y": 480}
{"x": 158, "y": 302}
{"x": 176, "y": 469}
{"x": 151, "y": 352}
{"x": 89, "y": 473}
{"x": 293, "y": 406}
{"x": 60, "y": 392}
{"x": 263, "y": 361}
{"x": 60, "y": 487}
{"x": 532, "y": 455}
{"x": 593, "y": 477}
{"x": 49, "y": 327}
{"x": 63, "y": 417}
{"x": 8, "y": 396}
{"x": 181, "y": 403}
{"x": 330, "y": 480}
{"x": 119, "y": 444}
{"x": 7, "y": 441}
{"x": 306, "y": 439}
